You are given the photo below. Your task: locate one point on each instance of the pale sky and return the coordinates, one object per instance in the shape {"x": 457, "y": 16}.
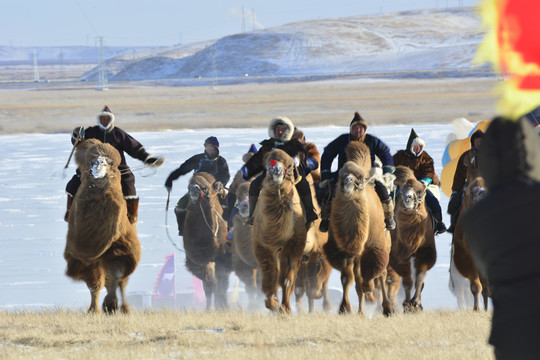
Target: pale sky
{"x": 169, "y": 22}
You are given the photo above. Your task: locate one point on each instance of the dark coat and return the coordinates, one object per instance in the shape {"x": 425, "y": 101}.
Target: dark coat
{"x": 422, "y": 166}
{"x": 292, "y": 147}
{"x": 217, "y": 167}
{"x": 120, "y": 140}
{"x": 337, "y": 148}
{"x": 502, "y": 233}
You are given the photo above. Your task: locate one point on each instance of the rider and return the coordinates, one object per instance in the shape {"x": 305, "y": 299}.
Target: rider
{"x": 106, "y": 132}
{"x": 209, "y": 161}
{"x": 419, "y": 161}
{"x": 357, "y": 132}
{"x": 280, "y": 131}
{"x": 467, "y": 167}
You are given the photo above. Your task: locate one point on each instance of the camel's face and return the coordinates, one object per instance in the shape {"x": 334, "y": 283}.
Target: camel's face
{"x": 198, "y": 190}
{"x": 412, "y": 194}
{"x": 243, "y": 208}
{"x": 278, "y": 166}
{"x": 477, "y": 190}
{"x": 351, "y": 178}
{"x": 100, "y": 167}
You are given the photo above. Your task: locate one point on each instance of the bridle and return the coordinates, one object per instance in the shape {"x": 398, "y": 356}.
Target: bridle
{"x": 203, "y": 194}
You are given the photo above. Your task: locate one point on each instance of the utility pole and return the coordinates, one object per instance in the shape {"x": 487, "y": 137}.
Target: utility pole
{"x": 36, "y": 71}
{"x": 102, "y": 70}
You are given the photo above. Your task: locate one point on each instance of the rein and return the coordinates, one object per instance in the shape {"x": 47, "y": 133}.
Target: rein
{"x": 214, "y": 232}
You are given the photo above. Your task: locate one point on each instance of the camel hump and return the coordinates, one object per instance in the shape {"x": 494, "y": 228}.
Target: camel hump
{"x": 206, "y": 177}
{"x": 359, "y": 153}
{"x": 93, "y": 148}
{"x": 403, "y": 174}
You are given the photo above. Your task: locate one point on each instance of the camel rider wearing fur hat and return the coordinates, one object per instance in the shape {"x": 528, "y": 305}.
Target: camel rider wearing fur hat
{"x": 106, "y": 132}
{"x": 415, "y": 158}
{"x": 467, "y": 168}
{"x": 357, "y": 132}
{"x": 280, "y": 131}
{"x": 210, "y": 162}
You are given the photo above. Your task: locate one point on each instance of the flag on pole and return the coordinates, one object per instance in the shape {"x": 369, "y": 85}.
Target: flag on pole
{"x": 164, "y": 288}
{"x": 511, "y": 45}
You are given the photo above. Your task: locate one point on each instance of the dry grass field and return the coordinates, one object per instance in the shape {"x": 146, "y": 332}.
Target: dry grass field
{"x": 59, "y": 107}
{"x": 236, "y": 335}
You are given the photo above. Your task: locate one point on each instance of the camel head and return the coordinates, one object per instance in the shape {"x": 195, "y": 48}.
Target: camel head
{"x": 242, "y": 195}
{"x": 279, "y": 165}
{"x": 476, "y": 191}
{"x": 201, "y": 185}
{"x": 412, "y": 194}
{"x": 352, "y": 178}
{"x": 98, "y": 163}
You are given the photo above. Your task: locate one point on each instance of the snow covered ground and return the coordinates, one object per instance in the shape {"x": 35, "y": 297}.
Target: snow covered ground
{"x": 32, "y": 199}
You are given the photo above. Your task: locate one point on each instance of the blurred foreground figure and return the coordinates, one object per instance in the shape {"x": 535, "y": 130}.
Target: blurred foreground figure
{"x": 503, "y": 235}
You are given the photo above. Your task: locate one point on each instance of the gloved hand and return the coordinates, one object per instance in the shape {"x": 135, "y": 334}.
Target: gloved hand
{"x": 78, "y": 134}
{"x": 244, "y": 172}
{"x": 388, "y": 169}
{"x": 312, "y": 163}
{"x": 426, "y": 181}
{"x": 154, "y": 161}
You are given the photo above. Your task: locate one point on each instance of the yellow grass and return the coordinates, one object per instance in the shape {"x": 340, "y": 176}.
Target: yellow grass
{"x": 165, "y": 334}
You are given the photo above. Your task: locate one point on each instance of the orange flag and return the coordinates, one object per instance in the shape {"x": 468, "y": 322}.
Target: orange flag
{"x": 512, "y": 46}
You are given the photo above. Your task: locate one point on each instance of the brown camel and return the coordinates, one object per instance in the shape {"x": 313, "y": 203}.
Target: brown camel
{"x": 205, "y": 235}
{"x": 244, "y": 262}
{"x": 461, "y": 253}
{"x": 413, "y": 236}
{"x": 358, "y": 244}
{"x": 279, "y": 232}
{"x": 102, "y": 248}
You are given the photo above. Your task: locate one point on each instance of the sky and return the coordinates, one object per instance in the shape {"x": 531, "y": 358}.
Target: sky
{"x": 35, "y": 23}
{"x": 32, "y": 207}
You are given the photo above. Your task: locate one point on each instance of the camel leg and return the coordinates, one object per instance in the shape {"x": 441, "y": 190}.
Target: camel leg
{"x": 363, "y": 287}
{"x": 268, "y": 264}
{"x": 122, "y": 286}
{"x": 110, "y": 303}
{"x": 404, "y": 270}
{"x": 327, "y": 305}
{"x": 95, "y": 281}
{"x": 347, "y": 278}
{"x": 209, "y": 283}
{"x": 393, "y": 285}
{"x": 222, "y": 285}
{"x": 416, "y": 301}
{"x": 289, "y": 264}
{"x": 386, "y": 304}
{"x": 476, "y": 290}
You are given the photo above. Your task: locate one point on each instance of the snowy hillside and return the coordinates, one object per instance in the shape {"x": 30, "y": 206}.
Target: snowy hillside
{"x": 438, "y": 39}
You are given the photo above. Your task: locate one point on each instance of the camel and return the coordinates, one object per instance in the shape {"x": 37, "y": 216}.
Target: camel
{"x": 205, "y": 234}
{"x": 413, "y": 237}
{"x": 102, "y": 248}
{"x": 358, "y": 244}
{"x": 244, "y": 262}
{"x": 461, "y": 254}
{"x": 279, "y": 232}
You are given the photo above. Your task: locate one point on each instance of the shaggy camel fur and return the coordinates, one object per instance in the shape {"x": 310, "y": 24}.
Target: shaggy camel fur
{"x": 279, "y": 232}
{"x": 205, "y": 235}
{"x": 244, "y": 262}
{"x": 358, "y": 244}
{"x": 461, "y": 253}
{"x": 102, "y": 247}
{"x": 413, "y": 237}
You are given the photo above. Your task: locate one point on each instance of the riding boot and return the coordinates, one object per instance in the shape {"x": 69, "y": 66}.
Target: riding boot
{"x": 252, "y": 204}
{"x": 439, "y": 224}
{"x": 325, "y": 215}
{"x": 180, "y": 219}
{"x": 132, "y": 209}
{"x": 68, "y": 205}
{"x": 436, "y": 213}
{"x": 453, "y": 221}
{"x": 388, "y": 208}
{"x": 311, "y": 215}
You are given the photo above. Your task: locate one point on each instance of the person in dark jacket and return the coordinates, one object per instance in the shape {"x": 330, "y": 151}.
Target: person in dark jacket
{"x": 467, "y": 168}
{"x": 502, "y": 232}
{"x": 280, "y": 130}
{"x": 415, "y": 158}
{"x": 357, "y": 132}
{"x": 209, "y": 161}
{"x": 106, "y": 132}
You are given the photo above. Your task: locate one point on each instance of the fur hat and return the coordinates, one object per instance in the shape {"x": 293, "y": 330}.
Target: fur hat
{"x": 283, "y": 120}
{"x": 106, "y": 112}
{"x": 212, "y": 140}
{"x": 357, "y": 119}
{"x": 414, "y": 140}
{"x": 252, "y": 151}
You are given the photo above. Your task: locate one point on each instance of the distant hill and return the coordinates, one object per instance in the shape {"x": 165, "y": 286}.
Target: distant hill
{"x": 438, "y": 39}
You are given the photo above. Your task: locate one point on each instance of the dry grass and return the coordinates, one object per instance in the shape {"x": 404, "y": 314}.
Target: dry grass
{"x": 166, "y": 334}
{"x": 53, "y": 107}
